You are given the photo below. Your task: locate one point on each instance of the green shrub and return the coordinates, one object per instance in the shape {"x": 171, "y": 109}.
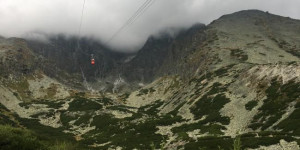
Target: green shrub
{"x": 278, "y": 99}
{"x": 291, "y": 124}
{"x": 63, "y": 146}
{"x": 239, "y": 54}
{"x": 250, "y": 105}
{"x": 18, "y": 139}
{"x": 237, "y": 144}
{"x": 82, "y": 104}
{"x": 210, "y": 143}
{"x": 143, "y": 92}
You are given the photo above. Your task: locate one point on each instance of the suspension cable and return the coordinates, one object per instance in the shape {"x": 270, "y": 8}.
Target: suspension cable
{"x": 132, "y": 19}
{"x": 82, "y": 11}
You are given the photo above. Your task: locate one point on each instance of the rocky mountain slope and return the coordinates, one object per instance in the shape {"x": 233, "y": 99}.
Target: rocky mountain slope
{"x": 236, "y": 80}
{"x": 162, "y": 55}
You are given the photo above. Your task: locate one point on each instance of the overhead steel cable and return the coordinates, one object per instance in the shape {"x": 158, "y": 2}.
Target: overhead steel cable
{"x": 132, "y": 19}
{"x": 143, "y": 11}
{"x": 80, "y": 25}
{"x": 82, "y": 11}
{"x": 141, "y": 8}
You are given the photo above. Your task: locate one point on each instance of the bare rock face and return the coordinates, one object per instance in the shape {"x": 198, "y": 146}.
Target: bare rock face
{"x": 283, "y": 145}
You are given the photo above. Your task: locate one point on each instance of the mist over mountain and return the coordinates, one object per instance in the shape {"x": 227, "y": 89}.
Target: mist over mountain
{"x": 101, "y": 19}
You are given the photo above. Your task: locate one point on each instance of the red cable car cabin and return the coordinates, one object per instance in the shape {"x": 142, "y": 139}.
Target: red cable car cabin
{"x": 93, "y": 61}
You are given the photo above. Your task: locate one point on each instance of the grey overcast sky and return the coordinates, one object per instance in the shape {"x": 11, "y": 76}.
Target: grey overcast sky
{"x": 102, "y": 18}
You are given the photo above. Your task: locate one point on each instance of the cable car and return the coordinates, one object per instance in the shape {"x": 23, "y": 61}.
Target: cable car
{"x": 92, "y": 60}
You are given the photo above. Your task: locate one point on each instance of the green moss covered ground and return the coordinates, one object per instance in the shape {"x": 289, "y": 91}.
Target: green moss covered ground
{"x": 12, "y": 138}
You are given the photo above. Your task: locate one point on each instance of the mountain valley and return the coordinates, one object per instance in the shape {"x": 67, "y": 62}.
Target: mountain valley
{"x": 234, "y": 83}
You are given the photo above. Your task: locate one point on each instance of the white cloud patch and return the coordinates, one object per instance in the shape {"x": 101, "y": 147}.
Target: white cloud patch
{"x": 104, "y": 17}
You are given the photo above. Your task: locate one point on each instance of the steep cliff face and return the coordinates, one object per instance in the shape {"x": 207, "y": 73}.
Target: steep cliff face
{"x": 29, "y": 75}
{"x": 145, "y": 64}
{"x": 164, "y": 55}
{"x": 16, "y": 58}
{"x": 73, "y": 55}
{"x": 236, "y": 79}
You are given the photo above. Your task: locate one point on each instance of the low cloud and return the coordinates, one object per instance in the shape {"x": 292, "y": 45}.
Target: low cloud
{"x": 102, "y": 18}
